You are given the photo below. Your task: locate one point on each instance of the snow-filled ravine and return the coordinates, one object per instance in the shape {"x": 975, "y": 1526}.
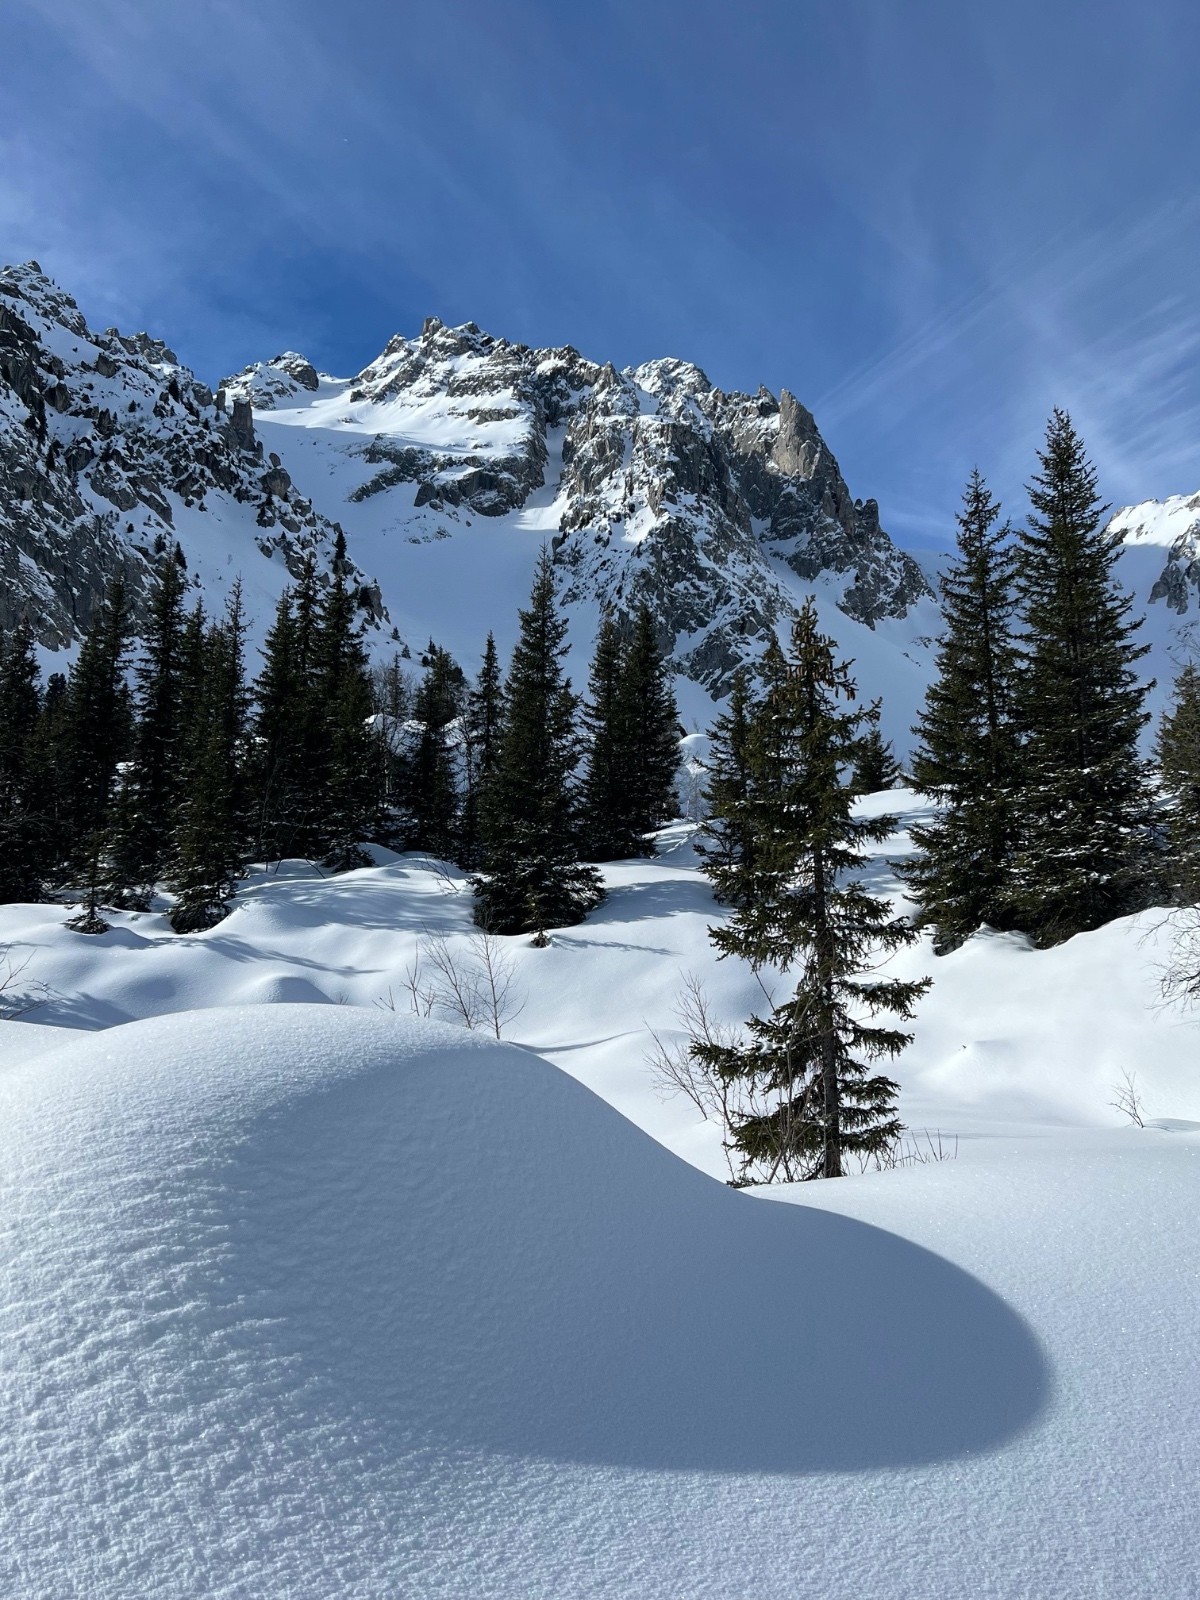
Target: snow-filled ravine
{"x": 326, "y": 1300}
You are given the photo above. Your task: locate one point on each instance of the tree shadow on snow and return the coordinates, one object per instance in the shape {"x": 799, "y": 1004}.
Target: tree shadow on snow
{"x": 519, "y": 1269}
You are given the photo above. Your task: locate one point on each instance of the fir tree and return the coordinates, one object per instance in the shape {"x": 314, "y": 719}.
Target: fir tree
{"x": 532, "y": 877}
{"x": 875, "y": 764}
{"x": 348, "y": 749}
{"x": 432, "y": 779}
{"x": 967, "y": 753}
{"x": 23, "y": 834}
{"x": 482, "y": 725}
{"x": 1177, "y": 750}
{"x": 726, "y": 840}
{"x": 290, "y": 769}
{"x": 1085, "y": 820}
{"x": 649, "y": 725}
{"x": 607, "y": 799}
{"x": 801, "y": 912}
{"x": 96, "y": 727}
{"x": 210, "y": 836}
{"x": 142, "y": 844}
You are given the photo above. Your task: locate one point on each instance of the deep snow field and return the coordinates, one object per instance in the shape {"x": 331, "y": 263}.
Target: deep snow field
{"x": 321, "y": 1301}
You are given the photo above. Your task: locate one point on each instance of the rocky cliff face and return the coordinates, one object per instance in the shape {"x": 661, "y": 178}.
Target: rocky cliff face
{"x": 111, "y": 452}
{"x": 717, "y": 509}
{"x": 720, "y": 510}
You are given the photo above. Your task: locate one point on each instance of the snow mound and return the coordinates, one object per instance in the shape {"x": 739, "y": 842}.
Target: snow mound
{"x": 270, "y": 1273}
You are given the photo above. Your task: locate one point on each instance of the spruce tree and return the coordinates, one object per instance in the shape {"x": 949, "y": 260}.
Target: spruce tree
{"x": 141, "y": 845}
{"x": 649, "y": 724}
{"x": 726, "y": 839}
{"x": 875, "y": 764}
{"x": 211, "y": 832}
{"x": 1085, "y": 852}
{"x": 1177, "y": 750}
{"x": 23, "y": 832}
{"x": 801, "y": 912}
{"x": 96, "y": 728}
{"x": 607, "y": 799}
{"x": 347, "y": 745}
{"x": 532, "y": 876}
{"x": 432, "y": 797}
{"x": 481, "y": 740}
{"x": 967, "y": 752}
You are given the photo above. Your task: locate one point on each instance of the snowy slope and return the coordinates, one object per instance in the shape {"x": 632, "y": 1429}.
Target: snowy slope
{"x": 322, "y": 1300}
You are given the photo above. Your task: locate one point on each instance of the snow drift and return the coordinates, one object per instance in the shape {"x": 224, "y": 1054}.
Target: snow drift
{"x": 267, "y": 1270}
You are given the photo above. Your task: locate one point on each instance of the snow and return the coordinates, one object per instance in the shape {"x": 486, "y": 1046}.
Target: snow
{"x": 328, "y": 1300}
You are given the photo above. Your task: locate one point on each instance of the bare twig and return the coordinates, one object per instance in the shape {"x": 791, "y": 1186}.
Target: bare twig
{"x": 1128, "y": 1099}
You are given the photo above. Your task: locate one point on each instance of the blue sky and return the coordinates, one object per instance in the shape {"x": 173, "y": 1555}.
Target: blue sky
{"x": 931, "y": 219}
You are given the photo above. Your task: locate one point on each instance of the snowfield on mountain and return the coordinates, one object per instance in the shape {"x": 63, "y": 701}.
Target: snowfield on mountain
{"x": 329, "y": 1299}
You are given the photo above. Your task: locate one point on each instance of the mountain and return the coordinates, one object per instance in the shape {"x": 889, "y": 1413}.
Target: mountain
{"x": 111, "y": 452}
{"x": 447, "y": 462}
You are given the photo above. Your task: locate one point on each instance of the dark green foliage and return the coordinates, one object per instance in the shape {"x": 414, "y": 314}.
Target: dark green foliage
{"x": 612, "y": 833}
{"x": 967, "y": 754}
{"x": 875, "y": 764}
{"x": 211, "y": 832}
{"x": 726, "y": 841}
{"x": 431, "y": 787}
{"x": 1083, "y": 802}
{"x": 144, "y": 818}
{"x": 481, "y": 740}
{"x": 92, "y": 729}
{"x": 532, "y": 877}
{"x": 650, "y": 727}
{"x": 23, "y": 832}
{"x": 348, "y": 739}
{"x": 801, "y": 912}
{"x": 1177, "y": 750}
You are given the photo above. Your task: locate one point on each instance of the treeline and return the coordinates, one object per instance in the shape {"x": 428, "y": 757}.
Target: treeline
{"x": 157, "y": 762}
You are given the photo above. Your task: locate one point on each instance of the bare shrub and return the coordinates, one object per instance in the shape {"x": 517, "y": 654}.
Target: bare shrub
{"x": 477, "y": 988}
{"x": 17, "y": 998}
{"x": 1129, "y": 1099}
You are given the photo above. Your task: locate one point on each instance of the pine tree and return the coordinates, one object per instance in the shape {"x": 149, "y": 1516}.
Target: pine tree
{"x": 649, "y": 724}
{"x": 967, "y": 753}
{"x": 1083, "y": 803}
{"x": 801, "y": 912}
{"x": 1177, "y": 750}
{"x": 23, "y": 835}
{"x": 726, "y": 840}
{"x": 607, "y": 799}
{"x": 482, "y": 724}
{"x": 290, "y": 768}
{"x": 141, "y": 846}
{"x": 875, "y": 764}
{"x": 211, "y": 833}
{"x": 432, "y": 779}
{"x": 532, "y": 877}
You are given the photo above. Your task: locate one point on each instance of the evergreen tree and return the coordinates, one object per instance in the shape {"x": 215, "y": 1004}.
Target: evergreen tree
{"x": 1083, "y": 803}
{"x": 607, "y": 800}
{"x": 800, "y": 911}
{"x": 875, "y": 764}
{"x": 649, "y": 724}
{"x": 532, "y": 877}
{"x": 482, "y": 724}
{"x": 726, "y": 840}
{"x": 432, "y": 777}
{"x": 1177, "y": 750}
{"x": 96, "y": 728}
{"x": 290, "y": 766}
{"x": 23, "y": 840}
{"x": 141, "y": 847}
{"x": 210, "y": 836}
{"x": 967, "y": 754}
{"x": 348, "y": 747}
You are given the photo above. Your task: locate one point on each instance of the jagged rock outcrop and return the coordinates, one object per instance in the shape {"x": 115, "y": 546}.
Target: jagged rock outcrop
{"x": 111, "y": 451}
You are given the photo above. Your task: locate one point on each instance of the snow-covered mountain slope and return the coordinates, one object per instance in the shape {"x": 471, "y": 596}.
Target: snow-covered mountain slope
{"x": 460, "y": 453}
{"x": 325, "y": 1300}
{"x": 110, "y": 453}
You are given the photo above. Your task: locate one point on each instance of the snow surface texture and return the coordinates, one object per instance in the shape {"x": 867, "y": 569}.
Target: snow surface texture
{"x": 327, "y": 1301}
